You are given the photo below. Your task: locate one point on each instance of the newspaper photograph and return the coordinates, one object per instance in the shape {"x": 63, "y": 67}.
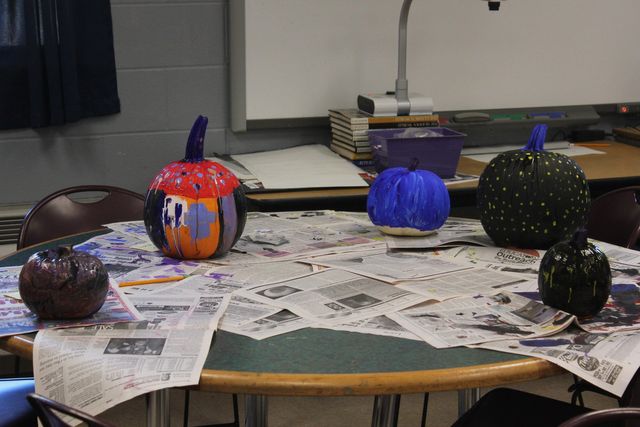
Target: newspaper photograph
{"x": 608, "y": 361}
{"x": 390, "y": 267}
{"x": 478, "y": 319}
{"x": 454, "y": 232}
{"x": 471, "y": 281}
{"x": 94, "y": 369}
{"x": 333, "y": 296}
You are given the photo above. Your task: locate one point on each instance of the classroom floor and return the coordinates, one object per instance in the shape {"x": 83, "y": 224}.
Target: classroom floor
{"x": 209, "y": 408}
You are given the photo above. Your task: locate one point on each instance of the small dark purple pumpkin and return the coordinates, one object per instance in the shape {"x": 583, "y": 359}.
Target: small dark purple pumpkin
{"x": 63, "y": 283}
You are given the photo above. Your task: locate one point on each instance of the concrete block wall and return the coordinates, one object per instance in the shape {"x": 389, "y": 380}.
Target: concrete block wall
{"x": 172, "y": 64}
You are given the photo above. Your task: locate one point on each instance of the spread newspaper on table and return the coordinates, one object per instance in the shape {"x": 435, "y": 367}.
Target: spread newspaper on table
{"x": 317, "y": 269}
{"x": 454, "y": 232}
{"x": 477, "y": 319}
{"x": 333, "y": 296}
{"x": 16, "y": 318}
{"x": 95, "y": 368}
{"x": 608, "y": 361}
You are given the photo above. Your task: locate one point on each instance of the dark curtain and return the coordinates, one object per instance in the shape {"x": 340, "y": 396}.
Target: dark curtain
{"x": 56, "y": 62}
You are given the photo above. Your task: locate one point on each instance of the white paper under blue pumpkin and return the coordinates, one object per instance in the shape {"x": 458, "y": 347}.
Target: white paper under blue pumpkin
{"x": 408, "y": 201}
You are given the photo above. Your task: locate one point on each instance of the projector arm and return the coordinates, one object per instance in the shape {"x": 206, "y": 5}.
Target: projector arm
{"x": 402, "y": 85}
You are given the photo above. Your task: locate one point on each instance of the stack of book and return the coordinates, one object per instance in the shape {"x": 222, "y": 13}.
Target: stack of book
{"x": 350, "y": 127}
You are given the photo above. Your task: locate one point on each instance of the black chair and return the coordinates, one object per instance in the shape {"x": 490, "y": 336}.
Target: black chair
{"x": 615, "y": 217}
{"x": 505, "y": 407}
{"x": 598, "y": 418}
{"x": 58, "y": 214}
{"x": 47, "y": 408}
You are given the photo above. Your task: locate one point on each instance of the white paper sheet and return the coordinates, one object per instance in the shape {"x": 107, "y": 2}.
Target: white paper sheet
{"x": 573, "y": 151}
{"x": 307, "y": 166}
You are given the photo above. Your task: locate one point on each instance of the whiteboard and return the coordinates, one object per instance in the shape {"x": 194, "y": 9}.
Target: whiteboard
{"x": 299, "y": 58}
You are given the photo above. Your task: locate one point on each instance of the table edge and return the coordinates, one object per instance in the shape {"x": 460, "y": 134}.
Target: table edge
{"x": 376, "y": 383}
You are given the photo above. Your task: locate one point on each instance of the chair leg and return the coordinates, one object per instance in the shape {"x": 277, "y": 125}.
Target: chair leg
{"x": 185, "y": 419}
{"x": 385, "y": 411}
{"x": 425, "y": 408}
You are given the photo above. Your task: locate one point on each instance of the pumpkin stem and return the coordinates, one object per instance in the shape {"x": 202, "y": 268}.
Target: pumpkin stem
{"x": 414, "y": 164}
{"x": 195, "y": 144}
{"x": 579, "y": 238}
{"x": 60, "y": 251}
{"x": 536, "y": 139}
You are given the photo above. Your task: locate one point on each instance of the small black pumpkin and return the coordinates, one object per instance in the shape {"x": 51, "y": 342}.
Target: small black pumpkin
{"x": 531, "y": 198}
{"x": 575, "y": 276}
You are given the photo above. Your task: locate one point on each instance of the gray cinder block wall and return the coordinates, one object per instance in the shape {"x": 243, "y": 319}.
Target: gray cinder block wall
{"x": 172, "y": 61}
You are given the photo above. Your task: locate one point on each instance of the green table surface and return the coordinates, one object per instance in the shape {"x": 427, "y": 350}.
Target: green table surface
{"x": 314, "y": 350}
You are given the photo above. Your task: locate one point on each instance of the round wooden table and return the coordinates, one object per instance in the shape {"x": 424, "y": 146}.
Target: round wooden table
{"x": 322, "y": 362}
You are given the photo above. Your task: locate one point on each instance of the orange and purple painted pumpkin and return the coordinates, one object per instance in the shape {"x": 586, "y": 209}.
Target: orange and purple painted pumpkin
{"x": 195, "y": 208}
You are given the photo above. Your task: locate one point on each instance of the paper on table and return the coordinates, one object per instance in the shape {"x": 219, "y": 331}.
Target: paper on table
{"x": 307, "y": 166}
{"x": 573, "y": 151}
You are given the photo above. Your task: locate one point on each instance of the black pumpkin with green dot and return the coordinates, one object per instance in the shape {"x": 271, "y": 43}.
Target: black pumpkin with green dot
{"x": 575, "y": 276}
{"x": 531, "y": 198}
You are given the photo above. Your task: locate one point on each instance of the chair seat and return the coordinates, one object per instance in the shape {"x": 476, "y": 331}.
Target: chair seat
{"x": 504, "y": 407}
{"x": 15, "y": 410}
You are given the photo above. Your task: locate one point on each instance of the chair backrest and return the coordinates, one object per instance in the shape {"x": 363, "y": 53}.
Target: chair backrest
{"x": 596, "y": 418}
{"x": 615, "y": 217}
{"x": 45, "y": 407}
{"x": 58, "y": 215}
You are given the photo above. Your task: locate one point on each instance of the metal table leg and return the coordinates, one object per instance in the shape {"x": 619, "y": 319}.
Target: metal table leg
{"x": 158, "y": 410}
{"x": 385, "y": 411}
{"x": 466, "y": 399}
{"x": 255, "y": 411}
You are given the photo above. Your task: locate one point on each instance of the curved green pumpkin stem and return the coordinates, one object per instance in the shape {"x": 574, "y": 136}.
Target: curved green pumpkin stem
{"x": 195, "y": 144}
{"x": 414, "y": 164}
{"x": 536, "y": 140}
{"x": 579, "y": 239}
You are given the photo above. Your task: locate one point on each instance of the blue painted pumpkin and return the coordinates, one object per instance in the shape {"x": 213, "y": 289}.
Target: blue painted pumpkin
{"x": 406, "y": 201}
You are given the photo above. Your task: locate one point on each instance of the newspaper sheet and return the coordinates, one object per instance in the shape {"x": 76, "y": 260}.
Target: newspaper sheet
{"x": 620, "y": 313}
{"x": 333, "y": 296}
{"x": 471, "y": 281}
{"x": 276, "y": 322}
{"x": 16, "y": 318}
{"x": 390, "y": 267}
{"x": 618, "y": 254}
{"x": 177, "y": 313}
{"x": 93, "y": 369}
{"x": 259, "y": 274}
{"x": 608, "y": 361}
{"x": 477, "y": 319}
{"x": 509, "y": 260}
{"x": 454, "y": 232}
{"x": 379, "y": 325}
{"x": 276, "y": 237}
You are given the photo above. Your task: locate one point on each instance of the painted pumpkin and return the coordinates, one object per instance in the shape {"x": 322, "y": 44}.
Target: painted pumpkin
{"x": 575, "y": 276}
{"x": 63, "y": 283}
{"x": 406, "y": 201}
{"x": 531, "y": 198}
{"x": 195, "y": 208}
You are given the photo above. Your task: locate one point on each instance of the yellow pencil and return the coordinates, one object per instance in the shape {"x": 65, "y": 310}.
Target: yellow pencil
{"x": 151, "y": 281}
